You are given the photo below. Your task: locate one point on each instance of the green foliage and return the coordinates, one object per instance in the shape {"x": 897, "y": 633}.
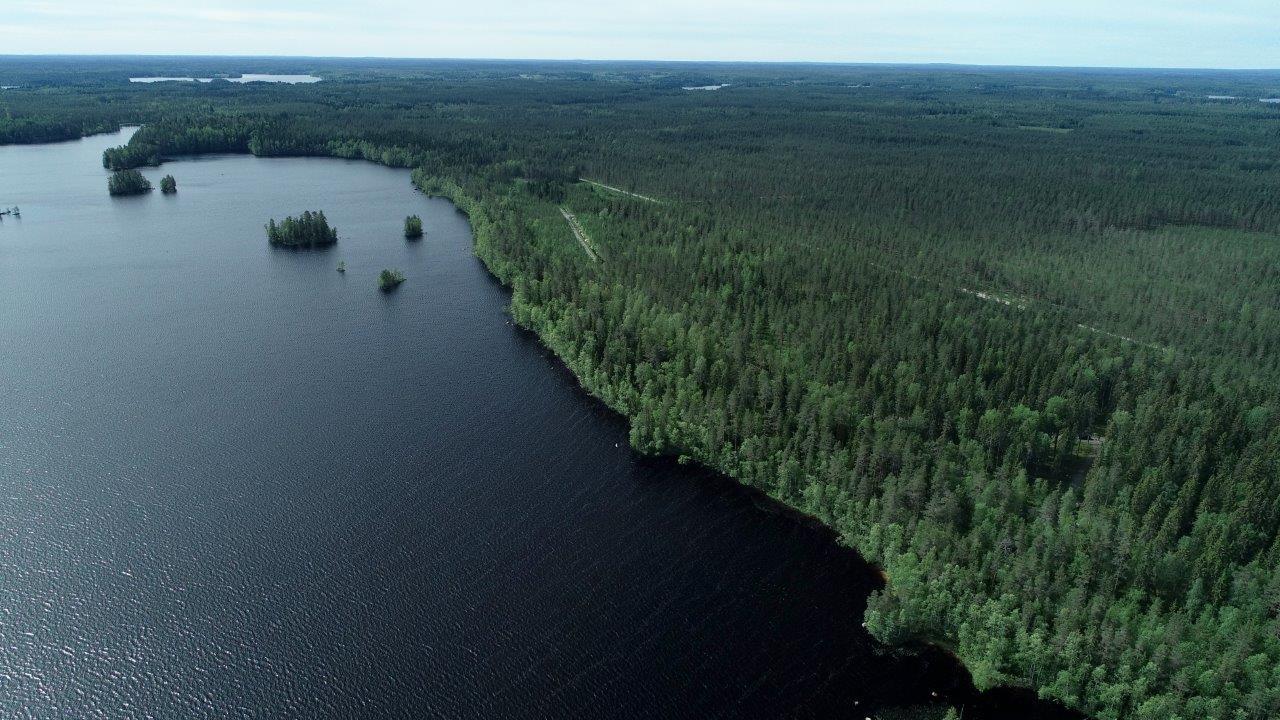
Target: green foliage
{"x": 168, "y": 185}
{"x": 308, "y": 230}
{"x": 413, "y": 227}
{"x": 1034, "y": 375}
{"x": 127, "y": 182}
{"x": 133, "y": 155}
{"x": 389, "y": 280}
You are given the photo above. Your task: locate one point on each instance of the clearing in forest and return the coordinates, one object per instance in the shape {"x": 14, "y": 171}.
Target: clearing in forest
{"x": 580, "y": 234}
{"x": 646, "y": 198}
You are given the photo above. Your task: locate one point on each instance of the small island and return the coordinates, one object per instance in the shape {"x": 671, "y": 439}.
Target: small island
{"x": 389, "y": 280}
{"x": 309, "y": 230}
{"x": 168, "y": 185}
{"x": 127, "y": 182}
{"x": 412, "y": 227}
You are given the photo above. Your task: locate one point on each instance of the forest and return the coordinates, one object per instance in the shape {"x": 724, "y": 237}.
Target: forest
{"x": 308, "y": 230}
{"x": 1012, "y": 333}
{"x": 127, "y": 182}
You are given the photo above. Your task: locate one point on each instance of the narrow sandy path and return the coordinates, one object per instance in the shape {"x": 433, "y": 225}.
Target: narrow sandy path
{"x": 581, "y": 234}
{"x": 646, "y": 198}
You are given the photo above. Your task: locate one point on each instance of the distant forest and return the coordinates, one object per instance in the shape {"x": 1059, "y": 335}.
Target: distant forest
{"x": 1013, "y": 333}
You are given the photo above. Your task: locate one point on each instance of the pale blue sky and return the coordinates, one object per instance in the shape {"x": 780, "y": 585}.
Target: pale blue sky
{"x": 1146, "y": 33}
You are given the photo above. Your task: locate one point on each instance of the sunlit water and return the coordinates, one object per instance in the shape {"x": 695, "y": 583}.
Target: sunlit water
{"x": 235, "y": 483}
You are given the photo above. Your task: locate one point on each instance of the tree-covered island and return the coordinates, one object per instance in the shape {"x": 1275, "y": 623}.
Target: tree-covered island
{"x": 310, "y": 229}
{"x": 168, "y": 185}
{"x": 389, "y": 280}
{"x": 413, "y": 227}
{"x": 127, "y": 182}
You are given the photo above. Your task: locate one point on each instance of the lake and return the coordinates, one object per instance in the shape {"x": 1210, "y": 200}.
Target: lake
{"x": 235, "y": 483}
{"x": 245, "y": 78}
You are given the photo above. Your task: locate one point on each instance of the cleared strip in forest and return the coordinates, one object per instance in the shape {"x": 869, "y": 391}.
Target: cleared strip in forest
{"x": 646, "y": 198}
{"x": 1021, "y": 304}
{"x": 993, "y": 297}
{"x": 1017, "y": 302}
{"x": 1126, "y": 338}
{"x": 580, "y": 234}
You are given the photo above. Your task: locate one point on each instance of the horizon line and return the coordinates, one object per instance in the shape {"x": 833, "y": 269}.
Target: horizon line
{"x": 829, "y": 63}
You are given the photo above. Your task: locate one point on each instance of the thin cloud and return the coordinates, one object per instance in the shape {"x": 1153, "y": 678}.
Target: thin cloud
{"x": 1149, "y": 33}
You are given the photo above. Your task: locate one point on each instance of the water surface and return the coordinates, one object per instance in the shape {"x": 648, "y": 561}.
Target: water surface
{"x": 235, "y": 483}
{"x": 245, "y": 78}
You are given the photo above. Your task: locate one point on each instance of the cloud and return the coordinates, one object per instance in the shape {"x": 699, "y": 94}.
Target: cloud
{"x": 134, "y": 13}
{"x": 1225, "y": 33}
{"x": 264, "y": 16}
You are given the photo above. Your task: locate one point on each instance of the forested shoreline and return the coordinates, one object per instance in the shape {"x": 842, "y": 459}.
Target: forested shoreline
{"x": 1011, "y": 334}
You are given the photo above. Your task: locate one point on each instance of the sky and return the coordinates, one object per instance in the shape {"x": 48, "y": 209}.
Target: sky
{"x": 1112, "y": 33}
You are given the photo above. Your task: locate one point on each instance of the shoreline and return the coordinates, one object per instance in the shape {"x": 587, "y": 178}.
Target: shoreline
{"x": 930, "y": 651}
{"x": 923, "y": 648}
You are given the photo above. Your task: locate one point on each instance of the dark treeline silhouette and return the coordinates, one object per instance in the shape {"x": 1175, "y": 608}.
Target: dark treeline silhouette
{"x": 310, "y": 229}
{"x": 1012, "y": 333}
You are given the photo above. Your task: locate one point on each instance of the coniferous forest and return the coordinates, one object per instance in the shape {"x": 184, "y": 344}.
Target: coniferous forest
{"x": 1014, "y": 334}
{"x": 127, "y": 182}
{"x": 310, "y": 229}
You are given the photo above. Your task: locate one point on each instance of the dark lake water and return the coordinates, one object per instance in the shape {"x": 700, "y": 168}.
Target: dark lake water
{"x": 235, "y": 483}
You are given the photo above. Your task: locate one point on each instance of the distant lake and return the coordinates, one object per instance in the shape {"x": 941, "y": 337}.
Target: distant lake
{"x": 235, "y": 483}
{"x": 1271, "y": 100}
{"x": 246, "y": 78}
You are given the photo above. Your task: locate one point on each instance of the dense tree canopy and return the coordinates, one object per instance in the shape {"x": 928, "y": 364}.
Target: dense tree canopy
{"x": 310, "y": 229}
{"x": 1012, "y": 333}
{"x": 127, "y": 182}
{"x": 413, "y": 227}
{"x": 389, "y": 280}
